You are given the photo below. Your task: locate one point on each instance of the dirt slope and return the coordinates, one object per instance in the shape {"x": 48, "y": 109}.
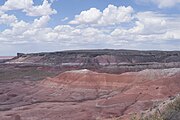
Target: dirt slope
{"x": 84, "y": 94}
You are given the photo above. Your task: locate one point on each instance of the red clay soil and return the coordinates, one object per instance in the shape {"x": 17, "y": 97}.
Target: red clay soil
{"x": 87, "y": 95}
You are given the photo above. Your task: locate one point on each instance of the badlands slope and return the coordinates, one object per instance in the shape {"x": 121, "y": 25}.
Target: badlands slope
{"x": 88, "y": 95}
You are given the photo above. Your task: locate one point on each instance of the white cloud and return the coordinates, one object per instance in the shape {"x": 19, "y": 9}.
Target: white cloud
{"x": 166, "y": 3}
{"x": 147, "y": 23}
{"x": 16, "y": 4}
{"x": 23, "y": 31}
{"x": 116, "y": 15}
{"x": 162, "y": 3}
{"x": 64, "y": 19}
{"x": 90, "y": 16}
{"x": 110, "y": 16}
{"x": 7, "y": 19}
{"x": 95, "y": 29}
{"x": 17, "y": 29}
{"x": 137, "y": 29}
{"x": 64, "y": 29}
{"x": 41, "y": 21}
{"x": 154, "y": 23}
{"x": 28, "y": 7}
{"x": 41, "y": 10}
{"x": 1, "y": 12}
{"x": 150, "y": 26}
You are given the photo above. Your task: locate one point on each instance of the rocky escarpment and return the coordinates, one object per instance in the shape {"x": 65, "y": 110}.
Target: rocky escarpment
{"x": 113, "y": 61}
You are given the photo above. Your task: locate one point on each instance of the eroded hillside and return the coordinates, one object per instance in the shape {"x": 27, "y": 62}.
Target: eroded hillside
{"x": 87, "y": 84}
{"x": 84, "y": 94}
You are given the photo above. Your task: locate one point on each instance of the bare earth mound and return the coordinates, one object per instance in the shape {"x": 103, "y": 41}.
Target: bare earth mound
{"x": 87, "y": 95}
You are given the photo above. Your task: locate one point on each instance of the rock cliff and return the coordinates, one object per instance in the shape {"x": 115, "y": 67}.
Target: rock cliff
{"x": 106, "y": 60}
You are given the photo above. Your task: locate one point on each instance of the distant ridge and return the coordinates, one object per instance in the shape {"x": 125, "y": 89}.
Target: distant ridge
{"x": 99, "y": 50}
{"x": 105, "y": 60}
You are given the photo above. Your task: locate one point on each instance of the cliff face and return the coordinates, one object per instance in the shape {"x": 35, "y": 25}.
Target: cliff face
{"x": 104, "y": 60}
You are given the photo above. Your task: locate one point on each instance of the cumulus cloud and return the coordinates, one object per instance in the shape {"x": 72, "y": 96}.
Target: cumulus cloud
{"x": 116, "y": 15}
{"x": 7, "y": 19}
{"x": 94, "y": 28}
{"x": 90, "y": 16}
{"x": 16, "y": 4}
{"x": 150, "y": 26}
{"x": 24, "y": 32}
{"x": 41, "y": 21}
{"x": 147, "y": 26}
{"x": 109, "y": 16}
{"x": 28, "y": 7}
{"x": 41, "y": 10}
{"x": 147, "y": 23}
{"x": 153, "y": 23}
{"x": 137, "y": 29}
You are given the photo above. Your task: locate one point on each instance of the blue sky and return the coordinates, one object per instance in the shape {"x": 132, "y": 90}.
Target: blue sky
{"x": 54, "y": 25}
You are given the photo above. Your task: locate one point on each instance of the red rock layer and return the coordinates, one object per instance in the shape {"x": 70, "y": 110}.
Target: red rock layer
{"x": 87, "y": 95}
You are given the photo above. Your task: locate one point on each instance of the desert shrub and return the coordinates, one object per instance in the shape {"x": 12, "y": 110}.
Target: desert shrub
{"x": 155, "y": 116}
{"x": 171, "y": 112}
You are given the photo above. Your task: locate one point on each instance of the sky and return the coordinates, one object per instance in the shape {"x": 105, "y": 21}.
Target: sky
{"x": 28, "y": 26}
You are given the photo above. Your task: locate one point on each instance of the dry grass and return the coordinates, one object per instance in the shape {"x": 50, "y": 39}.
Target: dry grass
{"x": 170, "y": 112}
